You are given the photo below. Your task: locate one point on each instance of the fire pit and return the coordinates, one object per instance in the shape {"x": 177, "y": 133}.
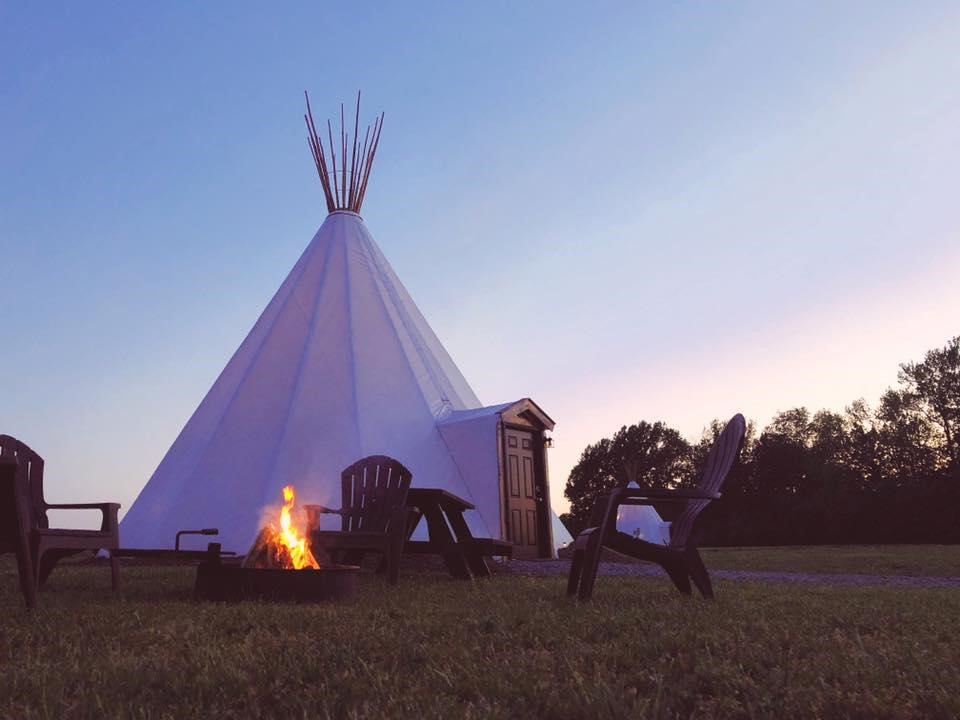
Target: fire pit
{"x": 279, "y": 566}
{"x": 231, "y": 583}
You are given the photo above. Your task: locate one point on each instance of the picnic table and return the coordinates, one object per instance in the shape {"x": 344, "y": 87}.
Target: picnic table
{"x": 464, "y": 555}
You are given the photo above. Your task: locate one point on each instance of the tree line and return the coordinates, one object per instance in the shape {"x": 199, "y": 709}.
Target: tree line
{"x": 884, "y": 474}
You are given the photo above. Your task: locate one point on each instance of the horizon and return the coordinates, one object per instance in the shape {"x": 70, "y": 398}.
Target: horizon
{"x": 649, "y": 213}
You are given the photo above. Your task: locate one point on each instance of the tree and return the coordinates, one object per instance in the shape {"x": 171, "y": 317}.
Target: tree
{"x": 884, "y": 474}
{"x": 932, "y": 388}
{"x": 653, "y": 454}
{"x": 829, "y": 437}
{"x": 863, "y": 455}
{"x": 792, "y": 425}
{"x": 591, "y": 475}
{"x": 790, "y": 485}
{"x": 907, "y": 440}
{"x": 732, "y": 521}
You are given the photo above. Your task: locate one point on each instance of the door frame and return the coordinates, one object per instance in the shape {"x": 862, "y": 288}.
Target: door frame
{"x": 526, "y": 416}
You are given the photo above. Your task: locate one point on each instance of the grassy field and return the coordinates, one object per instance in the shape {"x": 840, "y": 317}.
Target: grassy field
{"x": 916, "y": 560}
{"x": 510, "y": 647}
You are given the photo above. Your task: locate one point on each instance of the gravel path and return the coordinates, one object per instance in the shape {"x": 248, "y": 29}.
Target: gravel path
{"x": 562, "y": 567}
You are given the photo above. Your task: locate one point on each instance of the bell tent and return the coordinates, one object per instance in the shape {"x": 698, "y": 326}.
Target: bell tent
{"x": 341, "y": 364}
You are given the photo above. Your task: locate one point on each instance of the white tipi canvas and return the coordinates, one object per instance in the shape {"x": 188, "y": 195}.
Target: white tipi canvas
{"x": 340, "y": 365}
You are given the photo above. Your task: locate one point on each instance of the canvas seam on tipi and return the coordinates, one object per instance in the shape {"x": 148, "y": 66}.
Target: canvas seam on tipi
{"x": 453, "y": 382}
{"x": 311, "y": 333}
{"x": 423, "y": 353}
{"x": 382, "y": 289}
{"x": 435, "y": 350}
{"x": 351, "y": 340}
{"x": 386, "y": 307}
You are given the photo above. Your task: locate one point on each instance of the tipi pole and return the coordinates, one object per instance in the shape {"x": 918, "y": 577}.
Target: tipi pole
{"x": 341, "y": 193}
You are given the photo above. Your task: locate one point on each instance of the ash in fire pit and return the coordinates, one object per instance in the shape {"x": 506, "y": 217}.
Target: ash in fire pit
{"x": 279, "y": 566}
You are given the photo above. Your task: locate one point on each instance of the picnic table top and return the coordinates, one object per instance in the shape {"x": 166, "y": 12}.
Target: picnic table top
{"x": 442, "y": 498}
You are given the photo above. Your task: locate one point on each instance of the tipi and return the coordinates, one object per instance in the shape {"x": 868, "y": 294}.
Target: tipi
{"x": 341, "y": 364}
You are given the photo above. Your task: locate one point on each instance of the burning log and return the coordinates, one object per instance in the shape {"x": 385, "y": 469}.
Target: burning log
{"x": 285, "y": 549}
{"x": 267, "y": 553}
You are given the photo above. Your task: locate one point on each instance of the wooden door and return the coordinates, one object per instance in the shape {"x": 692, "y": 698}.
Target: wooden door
{"x": 521, "y": 492}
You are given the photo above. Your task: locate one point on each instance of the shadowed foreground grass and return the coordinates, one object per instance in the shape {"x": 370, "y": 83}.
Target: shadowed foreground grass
{"x": 509, "y": 647}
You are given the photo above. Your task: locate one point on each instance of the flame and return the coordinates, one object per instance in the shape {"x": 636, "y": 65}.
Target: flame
{"x": 291, "y": 538}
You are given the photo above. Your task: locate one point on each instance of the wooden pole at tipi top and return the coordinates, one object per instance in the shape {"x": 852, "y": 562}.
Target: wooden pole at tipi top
{"x": 344, "y": 195}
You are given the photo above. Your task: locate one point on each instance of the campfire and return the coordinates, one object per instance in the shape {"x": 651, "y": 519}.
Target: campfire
{"x": 286, "y": 547}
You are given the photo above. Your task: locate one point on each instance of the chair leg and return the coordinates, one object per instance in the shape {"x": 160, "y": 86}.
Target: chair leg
{"x": 576, "y": 567}
{"x": 393, "y": 565}
{"x": 45, "y": 560}
{"x": 43, "y": 563}
{"x": 674, "y": 562}
{"x": 698, "y": 572}
{"x": 591, "y": 563}
{"x": 677, "y": 571}
{"x": 28, "y": 581}
{"x": 114, "y": 572}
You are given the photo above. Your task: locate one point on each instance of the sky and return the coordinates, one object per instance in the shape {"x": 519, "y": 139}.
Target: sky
{"x": 625, "y": 211}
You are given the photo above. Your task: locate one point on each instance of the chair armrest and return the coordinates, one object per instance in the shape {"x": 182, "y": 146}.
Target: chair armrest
{"x": 325, "y": 509}
{"x": 81, "y": 506}
{"x": 315, "y": 511}
{"x": 109, "y": 510}
{"x": 626, "y": 496}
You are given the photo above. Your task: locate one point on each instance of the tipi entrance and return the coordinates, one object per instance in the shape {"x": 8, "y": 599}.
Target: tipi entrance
{"x": 521, "y": 494}
{"x": 526, "y": 505}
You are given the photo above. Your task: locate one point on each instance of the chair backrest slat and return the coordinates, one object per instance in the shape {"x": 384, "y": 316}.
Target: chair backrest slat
{"x": 10, "y": 517}
{"x": 600, "y": 509}
{"x": 720, "y": 460}
{"x": 372, "y": 488}
{"x": 30, "y": 464}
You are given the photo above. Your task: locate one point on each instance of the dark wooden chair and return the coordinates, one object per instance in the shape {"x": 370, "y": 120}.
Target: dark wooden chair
{"x": 15, "y": 525}
{"x": 680, "y": 558}
{"x": 373, "y": 516}
{"x": 49, "y": 545}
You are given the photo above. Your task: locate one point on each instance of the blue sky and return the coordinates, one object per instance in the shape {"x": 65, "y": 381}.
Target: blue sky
{"x": 625, "y": 211}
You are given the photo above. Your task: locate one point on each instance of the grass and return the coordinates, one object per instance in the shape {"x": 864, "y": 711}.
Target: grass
{"x": 914, "y": 560}
{"x": 510, "y": 647}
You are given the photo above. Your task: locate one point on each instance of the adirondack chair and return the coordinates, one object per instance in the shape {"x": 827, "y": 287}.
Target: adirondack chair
{"x": 15, "y": 524}
{"x": 49, "y": 545}
{"x": 373, "y": 516}
{"x": 680, "y": 558}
